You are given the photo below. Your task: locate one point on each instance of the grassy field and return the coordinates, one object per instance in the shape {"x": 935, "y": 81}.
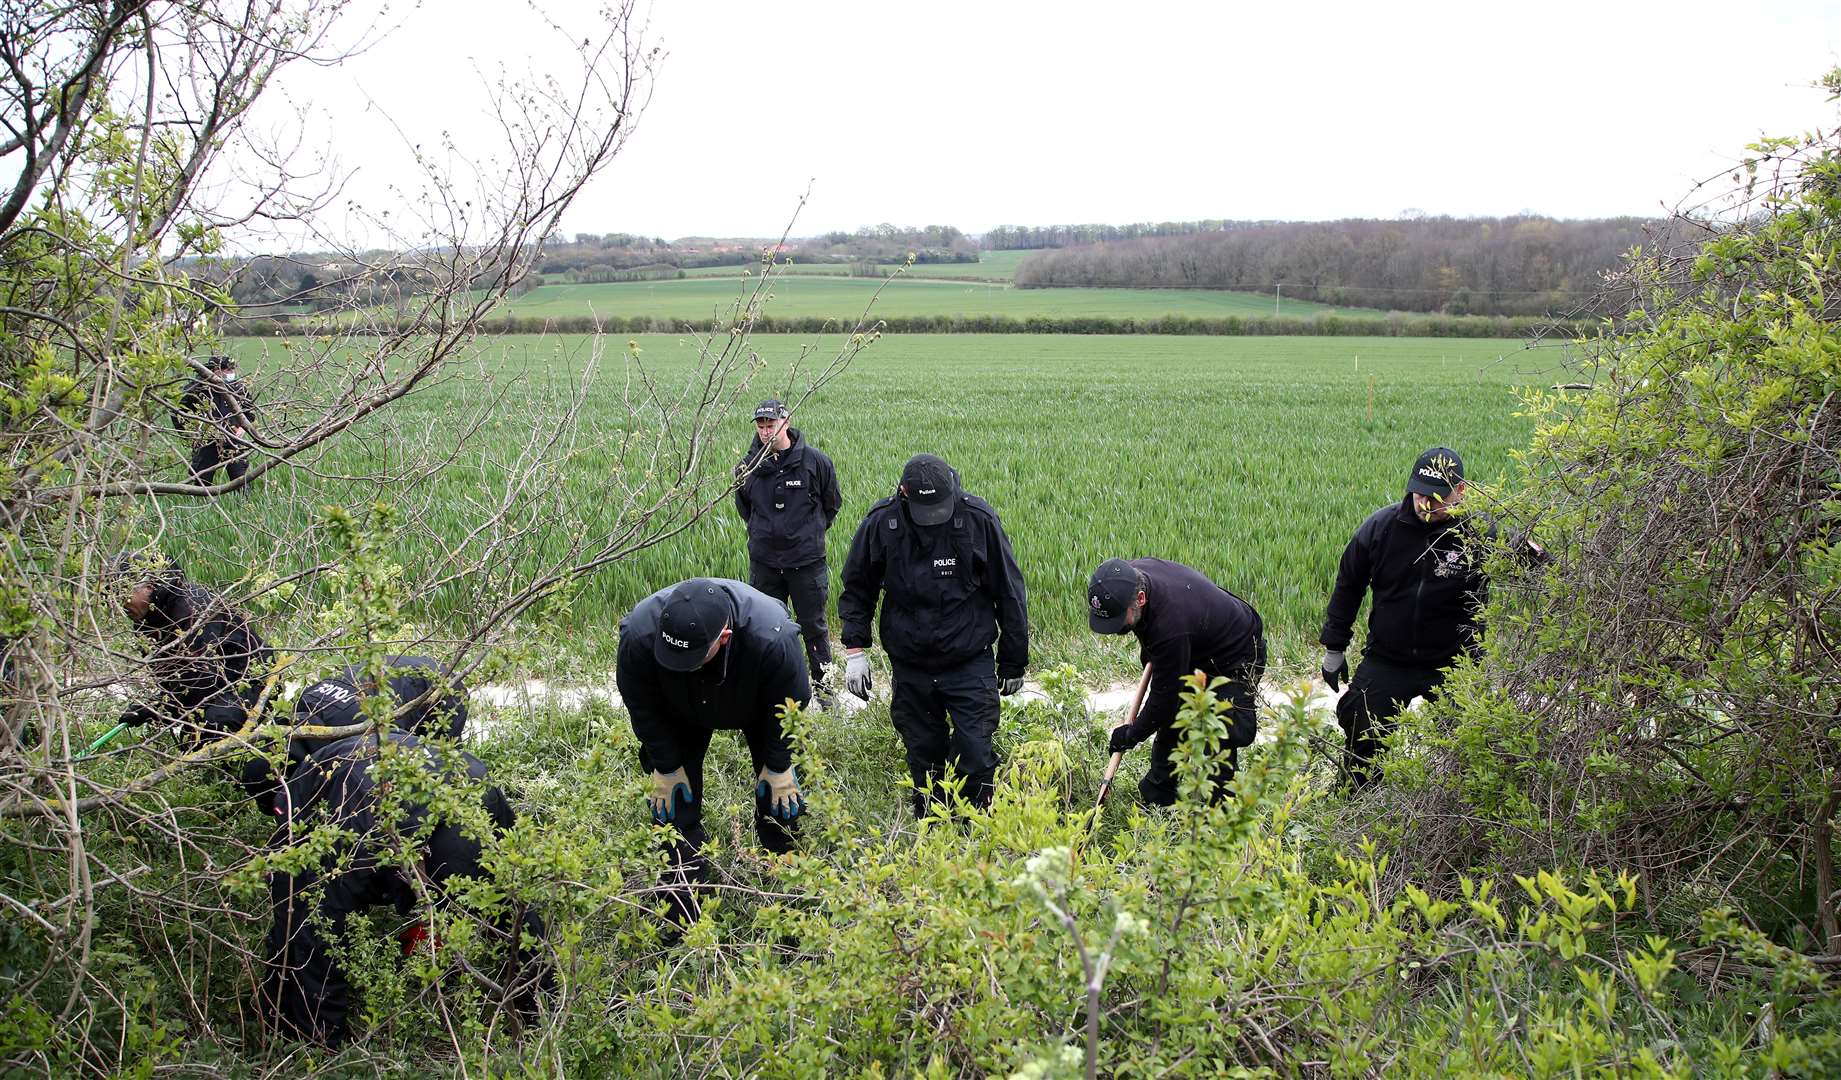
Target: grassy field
{"x": 698, "y": 299}
{"x": 991, "y": 266}
{"x": 1251, "y": 458}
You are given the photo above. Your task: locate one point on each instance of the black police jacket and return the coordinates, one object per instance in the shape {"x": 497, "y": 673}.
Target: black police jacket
{"x": 335, "y": 782}
{"x": 1189, "y": 623}
{"x": 762, "y": 665}
{"x": 1428, "y": 585}
{"x": 789, "y": 500}
{"x": 212, "y": 408}
{"x": 437, "y": 704}
{"x": 306, "y": 988}
{"x": 950, "y": 588}
{"x": 202, "y": 650}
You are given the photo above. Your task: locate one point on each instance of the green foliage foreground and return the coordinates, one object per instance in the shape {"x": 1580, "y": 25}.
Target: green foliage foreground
{"x": 1199, "y": 941}
{"x": 1607, "y": 851}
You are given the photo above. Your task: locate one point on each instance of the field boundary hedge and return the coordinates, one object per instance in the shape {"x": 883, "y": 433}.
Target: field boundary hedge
{"x": 1391, "y": 325}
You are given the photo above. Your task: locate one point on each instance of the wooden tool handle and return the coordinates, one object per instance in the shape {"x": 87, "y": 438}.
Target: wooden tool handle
{"x": 1137, "y": 699}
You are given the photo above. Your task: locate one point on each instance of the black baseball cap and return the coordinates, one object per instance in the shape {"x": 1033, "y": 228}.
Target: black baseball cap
{"x": 219, "y": 363}
{"x": 771, "y": 409}
{"x": 932, "y": 488}
{"x": 1437, "y": 471}
{"x": 1110, "y": 594}
{"x": 695, "y": 612}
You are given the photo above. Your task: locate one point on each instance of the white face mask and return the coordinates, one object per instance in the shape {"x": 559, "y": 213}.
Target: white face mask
{"x": 230, "y": 376}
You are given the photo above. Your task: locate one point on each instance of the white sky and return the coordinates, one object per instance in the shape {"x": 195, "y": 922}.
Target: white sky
{"x": 976, "y": 114}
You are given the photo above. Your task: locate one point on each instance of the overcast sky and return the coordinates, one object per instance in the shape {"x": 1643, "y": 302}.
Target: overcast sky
{"x": 986, "y": 113}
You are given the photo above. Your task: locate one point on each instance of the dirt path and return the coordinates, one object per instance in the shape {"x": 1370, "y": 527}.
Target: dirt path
{"x": 1113, "y": 699}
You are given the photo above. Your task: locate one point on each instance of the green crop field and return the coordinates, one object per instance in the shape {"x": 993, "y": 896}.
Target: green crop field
{"x": 1253, "y": 458}
{"x": 698, "y": 299}
{"x": 738, "y": 273}
{"x": 991, "y": 266}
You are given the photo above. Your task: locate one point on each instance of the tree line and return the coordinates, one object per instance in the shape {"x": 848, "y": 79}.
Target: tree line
{"x": 321, "y": 282}
{"x": 1393, "y": 324}
{"x": 887, "y": 243}
{"x": 1036, "y": 237}
{"x": 1523, "y": 265}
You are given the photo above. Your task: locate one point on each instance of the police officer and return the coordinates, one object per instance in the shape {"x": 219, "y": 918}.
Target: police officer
{"x": 698, "y": 656}
{"x": 204, "y": 656}
{"x": 306, "y": 991}
{"x": 1423, "y": 563}
{"x": 952, "y": 583}
{"x": 426, "y": 700}
{"x": 219, "y": 412}
{"x": 1184, "y": 623}
{"x": 788, "y": 496}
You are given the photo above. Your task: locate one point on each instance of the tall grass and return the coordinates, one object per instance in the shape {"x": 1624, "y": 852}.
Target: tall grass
{"x": 1252, "y": 459}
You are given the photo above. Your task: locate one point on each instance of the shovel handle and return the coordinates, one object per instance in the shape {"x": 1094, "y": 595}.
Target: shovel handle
{"x": 1105, "y": 780}
{"x": 1112, "y": 767}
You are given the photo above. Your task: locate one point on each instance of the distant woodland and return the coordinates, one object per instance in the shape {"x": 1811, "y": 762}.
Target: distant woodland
{"x": 1451, "y": 266}
{"x": 1429, "y": 265}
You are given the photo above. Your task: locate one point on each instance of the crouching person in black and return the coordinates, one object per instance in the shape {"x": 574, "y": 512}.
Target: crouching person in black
{"x": 705, "y": 654}
{"x": 1184, "y": 623}
{"x": 204, "y": 656}
{"x": 424, "y": 702}
{"x": 425, "y": 699}
{"x": 335, "y": 783}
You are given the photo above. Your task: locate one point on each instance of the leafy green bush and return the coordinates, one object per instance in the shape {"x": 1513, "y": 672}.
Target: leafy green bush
{"x": 1660, "y": 699}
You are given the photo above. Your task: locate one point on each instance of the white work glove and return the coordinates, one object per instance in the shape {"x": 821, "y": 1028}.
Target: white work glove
{"x": 1335, "y": 668}
{"x": 856, "y": 674}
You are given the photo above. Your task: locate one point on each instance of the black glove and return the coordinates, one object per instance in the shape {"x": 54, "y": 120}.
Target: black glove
{"x": 139, "y": 716}
{"x": 1120, "y": 740}
{"x": 1335, "y": 668}
{"x": 1525, "y": 547}
{"x": 1006, "y": 687}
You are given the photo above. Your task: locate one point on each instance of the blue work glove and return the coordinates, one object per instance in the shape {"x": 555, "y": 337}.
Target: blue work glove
{"x": 781, "y": 790}
{"x": 668, "y": 791}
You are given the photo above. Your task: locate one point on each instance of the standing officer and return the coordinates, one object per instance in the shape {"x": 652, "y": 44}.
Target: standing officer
{"x": 206, "y": 659}
{"x": 788, "y": 496}
{"x": 1424, "y": 565}
{"x": 952, "y": 583}
{"x": 306, "y": 992}
{"x": 1184, "y": 623}
{"x": 219, "y": 412}
{"x": 704, "y": 654}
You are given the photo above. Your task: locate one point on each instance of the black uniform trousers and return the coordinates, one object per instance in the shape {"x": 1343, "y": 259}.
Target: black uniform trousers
{"x": 948, "y": 714}
{"x": 689, "y": 867}
{"x": 1241, "y": 692}
{"x": 208, "y": 457}
{"x": 305, "y": 990}
{"x": 809, "y": 588}
{"x": 1367, "y": 710}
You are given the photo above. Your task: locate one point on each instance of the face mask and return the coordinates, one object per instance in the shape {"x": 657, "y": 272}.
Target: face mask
{"x": 230, "y": 376}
